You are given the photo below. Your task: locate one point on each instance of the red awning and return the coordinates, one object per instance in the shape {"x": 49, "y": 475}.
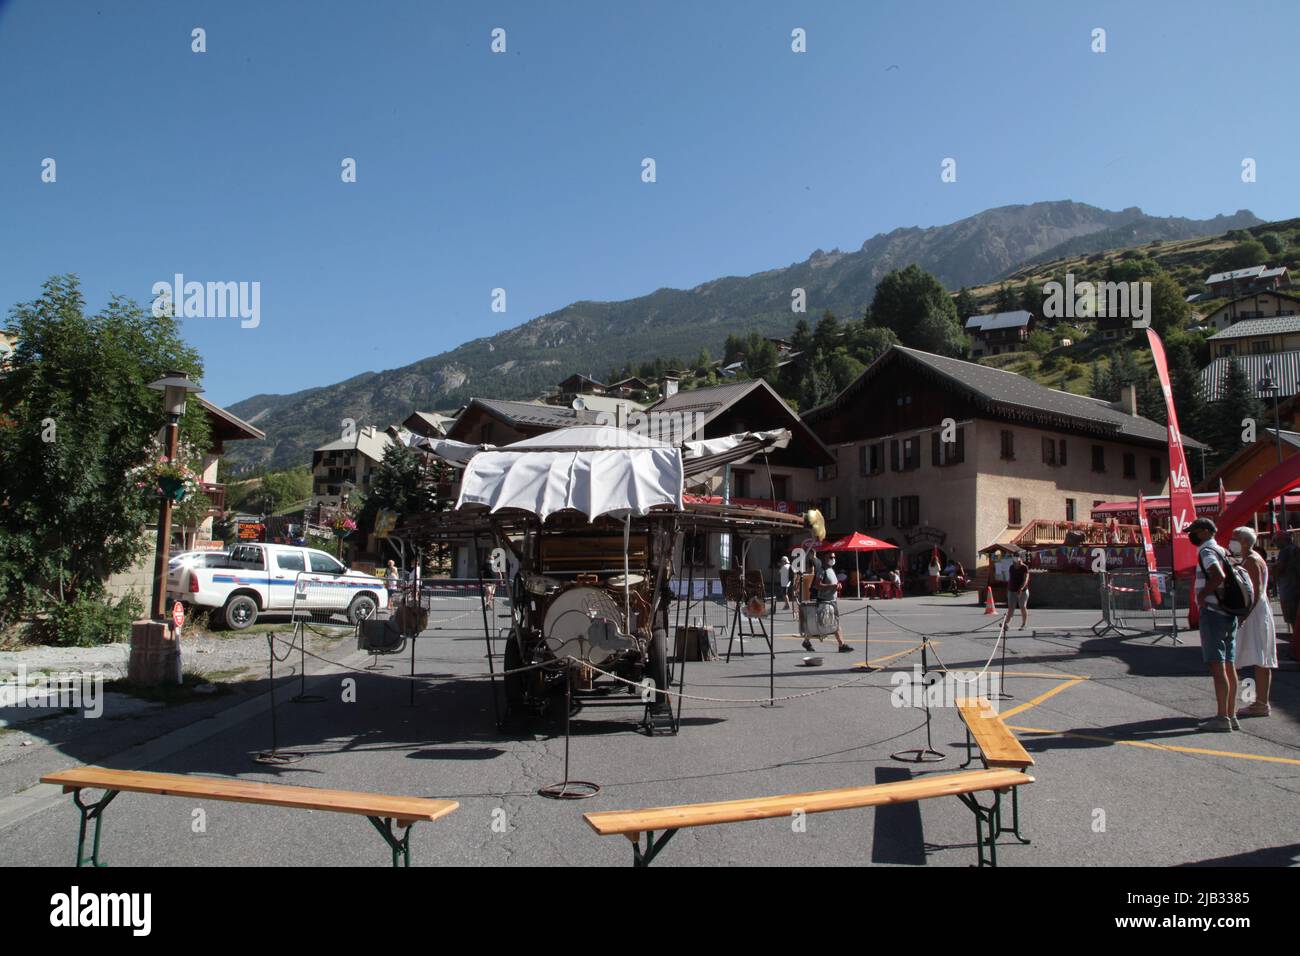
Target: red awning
{"x": 857, "y": 541}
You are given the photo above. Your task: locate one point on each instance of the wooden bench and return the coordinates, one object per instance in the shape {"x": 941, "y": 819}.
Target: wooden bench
{"x": 964, "y": 786}
{"x": 999, "y": 749}
{"x": 382, "y": 810}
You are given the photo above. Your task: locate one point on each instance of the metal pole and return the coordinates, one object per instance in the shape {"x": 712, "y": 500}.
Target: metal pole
{"x": 487, "y": 632}
{"x": 164, "y": 529}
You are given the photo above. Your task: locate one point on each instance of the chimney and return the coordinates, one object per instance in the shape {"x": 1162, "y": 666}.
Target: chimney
{"x": 667, "y": 386}
{"x": 1128, "y": 400}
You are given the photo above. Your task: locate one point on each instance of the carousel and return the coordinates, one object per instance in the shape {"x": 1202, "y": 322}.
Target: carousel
{"x": 587, "y": 525}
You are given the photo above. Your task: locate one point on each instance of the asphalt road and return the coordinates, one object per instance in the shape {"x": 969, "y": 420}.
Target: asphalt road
{"x": 1123, "y": 774}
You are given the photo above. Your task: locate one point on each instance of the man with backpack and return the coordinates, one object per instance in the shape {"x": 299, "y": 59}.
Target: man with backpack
{"x": 1223, "y": 599}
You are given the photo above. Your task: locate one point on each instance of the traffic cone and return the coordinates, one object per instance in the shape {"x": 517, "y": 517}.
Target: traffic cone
{"x": 1146, "y": 597}
{"x": 988, "y": 602}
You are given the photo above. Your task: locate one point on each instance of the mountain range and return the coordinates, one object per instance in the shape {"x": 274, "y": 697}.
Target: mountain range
{"x": 592, "y": 337}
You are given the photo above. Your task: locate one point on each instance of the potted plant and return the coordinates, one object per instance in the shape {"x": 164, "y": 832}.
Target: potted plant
{"x": 168, "y": 477}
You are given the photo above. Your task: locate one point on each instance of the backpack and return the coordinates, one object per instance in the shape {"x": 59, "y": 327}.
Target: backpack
{"x": 1237, "y": 593}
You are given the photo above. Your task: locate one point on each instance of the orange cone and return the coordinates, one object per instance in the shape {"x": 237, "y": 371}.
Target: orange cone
{"x": 988, "y": 603}
{"x": 1146, "y": 597}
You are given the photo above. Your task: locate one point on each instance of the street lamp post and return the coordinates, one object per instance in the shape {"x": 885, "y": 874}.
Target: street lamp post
{"x": 175, "y": 387}
{"x": 1267, "y": 386}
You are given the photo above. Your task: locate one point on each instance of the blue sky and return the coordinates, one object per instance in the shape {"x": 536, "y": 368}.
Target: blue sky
{"x": 522, "y": 170}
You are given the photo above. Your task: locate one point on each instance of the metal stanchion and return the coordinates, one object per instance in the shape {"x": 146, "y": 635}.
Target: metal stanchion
{"x": 275, "y": 756}
{"x": 926, "y": 754}
{"x": 569, "y": 789}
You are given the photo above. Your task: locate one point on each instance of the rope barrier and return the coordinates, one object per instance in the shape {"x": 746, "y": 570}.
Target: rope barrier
{"x": 623, "y": 680}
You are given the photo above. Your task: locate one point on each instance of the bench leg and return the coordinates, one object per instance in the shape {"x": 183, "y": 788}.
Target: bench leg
{"x": 400, "y": 847}
{"x": 90, "y": 812}
{"x": 1014, "y": 829}
{"x": 652, "y": 847}
{"x": 987, "y": 821}
{"x": 970, "y": 754}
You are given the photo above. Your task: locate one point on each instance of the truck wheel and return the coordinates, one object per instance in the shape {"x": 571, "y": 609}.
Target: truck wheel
{"x": 240, "y": 612}
{"x": 362, "y": 607}
{"x": 658, "y": 665}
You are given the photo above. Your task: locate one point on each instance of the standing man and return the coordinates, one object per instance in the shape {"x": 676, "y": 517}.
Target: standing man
{"x": 786, "y": 579}
{"x": 1218, "y": 627}
{"x": 1018, "y": 591}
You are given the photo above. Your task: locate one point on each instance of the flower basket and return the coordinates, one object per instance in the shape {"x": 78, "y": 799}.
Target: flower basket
{"x": 173, "y": 488}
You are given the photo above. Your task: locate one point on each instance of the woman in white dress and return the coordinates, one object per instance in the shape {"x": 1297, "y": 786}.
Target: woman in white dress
{"x": 1256, "y": 635}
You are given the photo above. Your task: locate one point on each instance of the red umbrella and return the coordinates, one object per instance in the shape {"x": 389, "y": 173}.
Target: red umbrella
{"x": 858, "y": 542}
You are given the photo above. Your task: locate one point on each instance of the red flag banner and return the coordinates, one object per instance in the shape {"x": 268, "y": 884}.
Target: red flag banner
{"x": 1153, "y": 583}
{"x": 1223, "y": 498}
{"x": 1182, "y": 509}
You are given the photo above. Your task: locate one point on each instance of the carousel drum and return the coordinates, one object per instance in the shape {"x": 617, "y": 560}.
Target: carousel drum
{"x": 567, "y": 626}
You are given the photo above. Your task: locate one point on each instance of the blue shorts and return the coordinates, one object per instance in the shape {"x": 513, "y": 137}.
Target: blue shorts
{"x": 1218, "y": 636}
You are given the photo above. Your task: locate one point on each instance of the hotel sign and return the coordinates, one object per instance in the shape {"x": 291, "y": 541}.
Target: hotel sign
{"x": 927, "y": 534}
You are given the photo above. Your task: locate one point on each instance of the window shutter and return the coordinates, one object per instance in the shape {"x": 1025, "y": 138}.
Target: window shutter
{"x": 862, "y": 460}
{"x": 1062, "y": 455}
{"x": 961, "y": 445}
{"x": 893, "y": 512}
{"x": 934, "y": 449}
{"x": 893, "y": 455}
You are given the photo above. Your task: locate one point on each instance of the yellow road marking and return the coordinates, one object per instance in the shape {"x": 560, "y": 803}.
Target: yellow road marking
{"x": 1150, "y": 746}
{"x": 1039, "y": 699}
{"x": 880, "y": 660}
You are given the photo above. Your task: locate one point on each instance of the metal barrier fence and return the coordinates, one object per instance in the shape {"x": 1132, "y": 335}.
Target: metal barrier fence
{"x": 1127, "y": 602}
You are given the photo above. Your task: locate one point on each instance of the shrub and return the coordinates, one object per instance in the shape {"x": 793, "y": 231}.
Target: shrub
{"x": 89, "y": 621}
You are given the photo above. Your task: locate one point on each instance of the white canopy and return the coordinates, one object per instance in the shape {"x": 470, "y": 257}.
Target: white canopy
{"x": 593, "y": 469}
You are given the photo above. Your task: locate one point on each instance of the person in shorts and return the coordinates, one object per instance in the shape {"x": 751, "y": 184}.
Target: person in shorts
{"x": 1018, "y": 591}
{"x": 787, "y": 579}
{"x": 827, "y": 586}
{"x": 1218, "y": 627}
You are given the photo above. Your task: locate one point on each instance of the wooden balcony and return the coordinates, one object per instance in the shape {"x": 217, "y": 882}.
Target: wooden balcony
{"x": 217, "y": 495}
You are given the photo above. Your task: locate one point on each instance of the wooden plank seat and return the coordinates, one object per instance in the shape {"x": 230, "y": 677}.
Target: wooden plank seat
{"x": 964, "y": 786}
{"x": 997, "y": 747}
{"x": 383, "y": 810}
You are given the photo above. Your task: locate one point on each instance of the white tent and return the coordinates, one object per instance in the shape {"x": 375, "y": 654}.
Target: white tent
{"x": 594, "y": 469}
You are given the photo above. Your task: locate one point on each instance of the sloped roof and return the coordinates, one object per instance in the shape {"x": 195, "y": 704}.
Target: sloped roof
{"x": 993, "y": 321}
{"x": 1013, "y": 395}
{"x": 531, "y": 414}
{"x": 1245, "y": 328}
{"x": 1252, "y": 273}
{"x": 234, "y": 427}
{"x": 369, "y": 441}
{"x": 1286, "y": 371}
{"x": 714, "y": 400}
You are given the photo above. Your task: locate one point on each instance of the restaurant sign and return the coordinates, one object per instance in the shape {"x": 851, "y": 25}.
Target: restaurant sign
{"x": 927, "y": 534}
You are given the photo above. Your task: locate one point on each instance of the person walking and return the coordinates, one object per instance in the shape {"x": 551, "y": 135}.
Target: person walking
{"x": 786, "y": 578}
{"x": 1018, "y": 591}
{"x": 1218, "y": 628}
{"x": 828, "y": 592}
{"x": 934, "y": 571}
{"x": 1257, "y": 634}
{"x": 390, "y": 580}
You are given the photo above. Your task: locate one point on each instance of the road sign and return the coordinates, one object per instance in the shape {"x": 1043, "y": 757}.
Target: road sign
{"x": 178, "y": 615}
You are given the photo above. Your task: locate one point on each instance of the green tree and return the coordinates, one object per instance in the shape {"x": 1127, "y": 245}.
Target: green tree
{"x": 1169, "y": 306}
{"x": 1007, "y": 300}
{"x": 913, "y": 305}
{"x": 1040, "y": 342}
{"x": 77, "y": 415}
{"x": 965, "y": 303}
{"x": 1227, "y": 419}
{"x": 1243, "y": 256}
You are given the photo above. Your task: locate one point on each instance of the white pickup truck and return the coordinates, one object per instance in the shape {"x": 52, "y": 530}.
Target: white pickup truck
{"x": 276, "y": 579}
